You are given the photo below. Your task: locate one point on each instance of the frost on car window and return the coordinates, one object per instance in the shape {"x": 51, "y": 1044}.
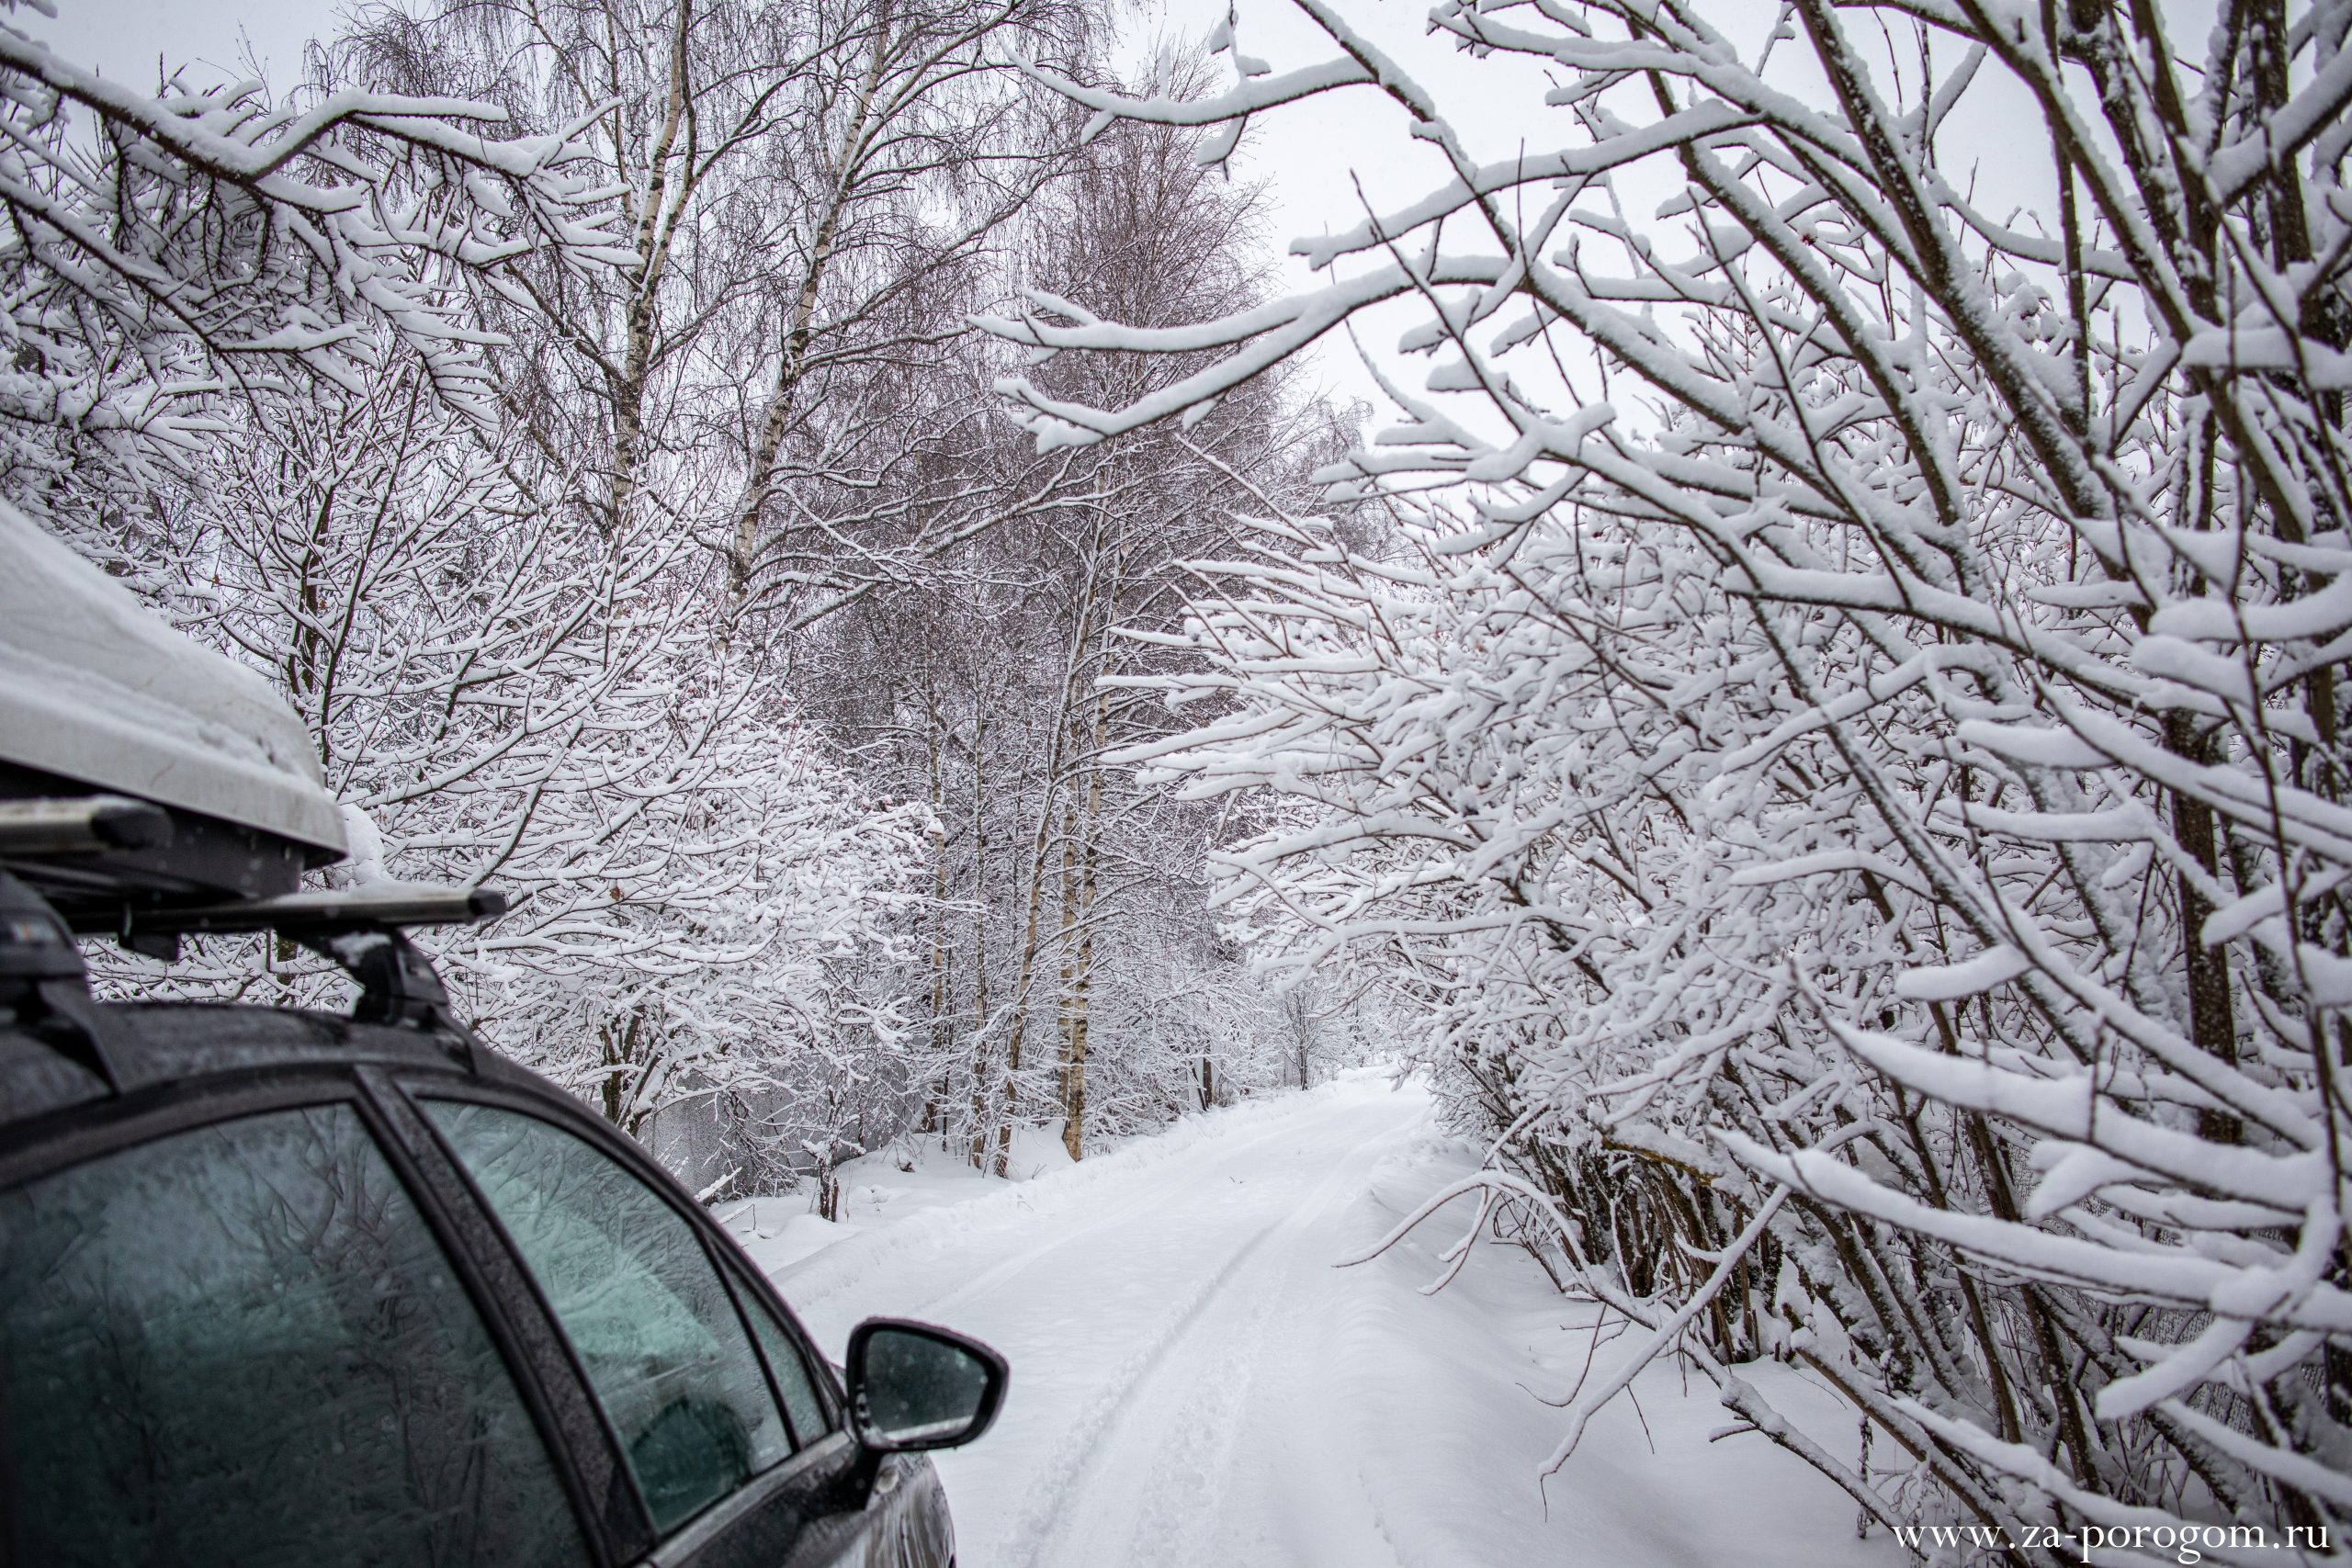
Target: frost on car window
{"x": 792, "y": 1375}
{"x": 241, "y": 1345}
{"x": 639, "y": 1298}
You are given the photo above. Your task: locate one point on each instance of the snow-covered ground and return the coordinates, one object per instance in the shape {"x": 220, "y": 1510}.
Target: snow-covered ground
{"x": 1195, "y": 1384}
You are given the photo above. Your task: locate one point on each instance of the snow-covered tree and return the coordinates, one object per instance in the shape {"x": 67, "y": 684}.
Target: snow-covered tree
{"x": 816, "y": 192}
{"x": 765, "y": 412}
{"x": 1076, "y": 971}
{"x": 507, "y": 687}
{"x": 532, "y": 470}
{"x": 1843, "y": 743}
{"x": 162, "y": 248}
{"x": 700, "y": 896}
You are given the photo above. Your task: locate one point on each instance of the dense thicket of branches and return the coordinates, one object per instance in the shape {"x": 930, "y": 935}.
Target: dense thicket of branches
{"x": 1844, "y": 746}
{"x": 1074, "y": 967}
{"x": 606, "y": 493}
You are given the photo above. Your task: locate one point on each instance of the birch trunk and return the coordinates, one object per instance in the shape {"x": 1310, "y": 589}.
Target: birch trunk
{"x": 942, "y": 1030}
{"x": 799, "y": 330}
{"x": 981, "y": 1020}
{"x": 1039, "y": 848}
{"x": 1082, "y": 995}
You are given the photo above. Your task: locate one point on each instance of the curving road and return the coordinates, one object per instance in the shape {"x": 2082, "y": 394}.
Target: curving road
{"x": 1194, "y": 1385}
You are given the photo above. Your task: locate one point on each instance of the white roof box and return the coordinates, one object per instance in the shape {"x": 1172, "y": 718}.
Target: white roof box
{"x": 97, "y": 691}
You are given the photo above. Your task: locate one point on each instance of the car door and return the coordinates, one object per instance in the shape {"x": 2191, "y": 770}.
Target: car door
{"x": 729, "y": 1434}
{"x": 235, "y": 1332}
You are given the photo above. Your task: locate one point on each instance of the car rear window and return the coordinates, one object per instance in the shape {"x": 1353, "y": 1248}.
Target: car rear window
{"x": 241, "y": 1345}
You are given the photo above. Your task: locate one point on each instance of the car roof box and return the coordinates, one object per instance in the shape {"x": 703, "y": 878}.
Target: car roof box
{"x": 100, "y": 698}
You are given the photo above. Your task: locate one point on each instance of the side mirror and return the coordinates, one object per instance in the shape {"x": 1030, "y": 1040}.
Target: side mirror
{"x": 912, "y": 1386}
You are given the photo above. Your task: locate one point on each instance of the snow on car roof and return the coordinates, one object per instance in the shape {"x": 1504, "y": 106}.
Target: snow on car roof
{"x": 96, "y": 688}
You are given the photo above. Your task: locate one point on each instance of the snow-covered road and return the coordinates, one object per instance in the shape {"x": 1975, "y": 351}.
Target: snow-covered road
{"x": 1195, "y": 1384}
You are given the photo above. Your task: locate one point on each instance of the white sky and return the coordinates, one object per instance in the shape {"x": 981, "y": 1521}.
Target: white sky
{"x": 126, "y": 38}
{"x": 1311, "y": 158}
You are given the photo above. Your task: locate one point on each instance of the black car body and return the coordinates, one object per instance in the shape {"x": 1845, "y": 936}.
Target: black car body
{"x": 297, "y": 1290}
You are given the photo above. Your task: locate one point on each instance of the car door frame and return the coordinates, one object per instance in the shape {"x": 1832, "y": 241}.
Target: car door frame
{"x": 605, "y": 1494}
{"x": 828, "y": 1465}
{"x": 95, "y": 1129}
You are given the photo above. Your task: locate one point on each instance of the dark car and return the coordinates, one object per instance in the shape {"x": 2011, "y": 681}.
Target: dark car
{"x": 285, "y": 1288}
{"x": 293, "y": 1287}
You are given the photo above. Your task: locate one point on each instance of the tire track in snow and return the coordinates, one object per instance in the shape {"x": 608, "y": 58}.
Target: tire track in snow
{"x": 1107, "y": 1429}
{"x": 1000, "y": 1273}
{"x": 1081, "y": 1446}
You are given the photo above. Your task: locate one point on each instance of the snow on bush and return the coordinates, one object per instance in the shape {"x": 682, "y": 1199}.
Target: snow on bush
{"x": 251, "y": 378}
{"x": 1843, "y": 745}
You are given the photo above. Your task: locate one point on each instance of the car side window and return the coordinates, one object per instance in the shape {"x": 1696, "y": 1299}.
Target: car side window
{"x": 241, "y": 1345}
{"x": 643, "y": 1306}
{"x": 794, "y": 1380}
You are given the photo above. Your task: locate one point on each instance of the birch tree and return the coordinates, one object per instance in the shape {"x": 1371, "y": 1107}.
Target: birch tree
{"x": 813, "y": 190}
{"x": 372, "y": 511}
{"x": 703, "y": 902}
{"x": 1076, "y": 972}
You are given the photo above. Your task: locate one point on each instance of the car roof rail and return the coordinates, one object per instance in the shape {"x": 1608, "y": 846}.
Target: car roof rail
{"x": 359, "y": 928}
{"x": 381, "y": 905}
{"x": 362, "y": 930}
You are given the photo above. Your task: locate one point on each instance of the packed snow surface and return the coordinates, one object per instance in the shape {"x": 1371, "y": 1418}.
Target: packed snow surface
{"x": 1195, "y": 1384}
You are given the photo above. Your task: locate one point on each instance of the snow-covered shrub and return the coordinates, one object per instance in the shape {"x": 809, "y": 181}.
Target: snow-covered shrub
{"x": 706, "y": 905}
{"x": 1845, "y": 752}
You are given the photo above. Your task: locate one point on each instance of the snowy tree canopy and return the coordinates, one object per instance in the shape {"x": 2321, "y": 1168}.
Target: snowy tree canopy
{"x": 574, "y": 412}
{"x": 165, "y": 245}
{"x": 1844, "y": 740}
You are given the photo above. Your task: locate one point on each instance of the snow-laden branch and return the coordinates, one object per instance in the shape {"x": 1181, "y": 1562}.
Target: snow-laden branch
{"x": 1897, "y": 752}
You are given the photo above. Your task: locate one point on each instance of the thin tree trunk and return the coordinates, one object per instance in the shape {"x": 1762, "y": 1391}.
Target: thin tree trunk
{"x": 1028, "y": 966}
{"x": 937, "y": 1085}
{"x": 979, "y": 939}
{"x": 1067, "y": 1022}
{"x": 1082, "y": 993}
{"x": 1040, "y": 846}
{"x": 2212, "y": 1017}
{"x": 653, "y": 250}
{"x": 1082, "y": 998}
{"x": 800, "y": 325}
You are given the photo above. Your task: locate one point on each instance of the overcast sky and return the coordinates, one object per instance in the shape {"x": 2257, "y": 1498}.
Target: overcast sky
{"x": 126, "y": 38}
{"x": 1310, "y": 158}
{"x": 1311, "y": 161}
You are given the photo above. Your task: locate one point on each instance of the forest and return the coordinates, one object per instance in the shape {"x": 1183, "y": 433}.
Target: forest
{"x": 1814, "y": 714}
